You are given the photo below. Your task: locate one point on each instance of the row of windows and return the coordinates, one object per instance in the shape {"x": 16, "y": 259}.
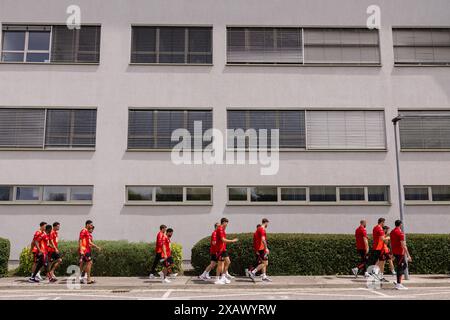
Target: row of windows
{"x": 245, "y": 45}
{"x": 236, "y": 195}
{"x": 151, "y": 129}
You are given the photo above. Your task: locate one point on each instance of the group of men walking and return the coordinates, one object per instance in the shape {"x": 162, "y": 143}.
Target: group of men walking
{"x": 387, "y": 246}
{"x": 381, "y": 252}
{"x": 220, "y": 259}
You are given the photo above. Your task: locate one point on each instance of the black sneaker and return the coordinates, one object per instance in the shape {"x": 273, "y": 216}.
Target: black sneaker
{"x": 33, "y": 280}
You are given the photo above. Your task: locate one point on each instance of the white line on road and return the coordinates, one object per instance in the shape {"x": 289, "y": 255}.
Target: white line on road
{"x": 167, "y": 294}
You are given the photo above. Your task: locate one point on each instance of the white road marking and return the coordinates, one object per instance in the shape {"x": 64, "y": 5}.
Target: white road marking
{"x": 378, "y": 293}
{"x": 167, "y": 294}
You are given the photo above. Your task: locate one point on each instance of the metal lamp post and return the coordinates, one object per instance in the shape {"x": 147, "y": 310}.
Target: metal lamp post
{"x": 399, "y": 185}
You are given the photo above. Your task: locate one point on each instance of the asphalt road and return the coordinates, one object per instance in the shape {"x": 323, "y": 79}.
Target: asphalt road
{"x": 421, "y": 293}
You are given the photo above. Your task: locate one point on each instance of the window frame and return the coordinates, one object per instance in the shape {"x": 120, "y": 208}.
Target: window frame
{"x": 419, "y": 64}
{"x": 308, "y": 202}
{"x": 153, "y": 202}
{"x": 155, "y": 135}
{"x": 43, "y": 146}
{"x": 50, "y": 62}
{"x": 430, "y": 201}
{"x": 157, "y": 51}
{"x": 41, "y": 200}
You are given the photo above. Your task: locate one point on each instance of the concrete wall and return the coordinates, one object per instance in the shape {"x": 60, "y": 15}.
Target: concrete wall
{"x": 114, "y": 85}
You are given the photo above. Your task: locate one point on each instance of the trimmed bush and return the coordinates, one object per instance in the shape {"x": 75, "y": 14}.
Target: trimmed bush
{"x": 322, "y": 254}
{"x": 116, "y": 259}
{"x": 4, "y": 256}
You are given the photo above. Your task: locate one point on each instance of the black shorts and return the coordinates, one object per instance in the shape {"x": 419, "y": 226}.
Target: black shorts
{"x": 376, "y": 254}
{"x": 40, "y": 257}
{"x": 262, "y": 255}
{"x": 213, "y": 257}
{"x": 86, "y": 257}
{"x": 54, "y": 256}
{"x": 222, "y": 255}
{"x": 168, "y": 262}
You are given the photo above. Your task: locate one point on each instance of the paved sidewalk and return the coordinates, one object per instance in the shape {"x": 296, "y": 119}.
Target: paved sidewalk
{"x": 183, "y": 282}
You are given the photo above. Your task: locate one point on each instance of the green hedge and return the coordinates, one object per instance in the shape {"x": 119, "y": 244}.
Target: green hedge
{"x": 116, "y": 259}
{"x": 4, "y": 256}
{"x": 323, "y": 254}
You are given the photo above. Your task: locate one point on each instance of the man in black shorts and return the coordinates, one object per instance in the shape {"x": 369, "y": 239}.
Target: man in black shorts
{"x": 212, "y": 252}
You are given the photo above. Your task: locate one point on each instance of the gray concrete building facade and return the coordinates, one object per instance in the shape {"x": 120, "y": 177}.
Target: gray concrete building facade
{"x": 76, "y": 106}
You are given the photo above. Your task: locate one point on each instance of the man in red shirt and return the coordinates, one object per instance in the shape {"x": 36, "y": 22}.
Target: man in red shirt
{"x": 85, "y": 249}
{"x": 166, "y": 256}
{"x": 223, "y": 259}
{"x": 158, "y": 249}
{"x": 38, "y": 254}
{"x": 362, "y": 247}
{"x": 379, "y": 239}
{"x": 261, "y": 250}
{"x": 212, "y": 252}
{"x": 53, "y": 251}
{"x": 401, "y": 253}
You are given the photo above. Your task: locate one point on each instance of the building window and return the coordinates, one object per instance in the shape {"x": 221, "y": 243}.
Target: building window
{"x": 291, "y": 126}
{"x": 425, "y": 130}
{"x": 47, "y": 128}
{"x": 171, "y": 45}
{"x": 427, "y": 194}
{"x": 312, "y": 195}
{"x": 346, "y": 130}
{"x": 421, "y": 46}
{"x": 264, "y": 45}
{"x": 46, "y": 194}
{"x": 356, "y": 46}
{"x": 55, "y": 44}
{"x": 308, "y": 46}
{"x": 152, "y": 129}
{"x": 168, "y": 195}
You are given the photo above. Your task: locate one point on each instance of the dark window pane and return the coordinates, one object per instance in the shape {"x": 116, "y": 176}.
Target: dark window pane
{"x": 441, "y": 193}
{"x": 77, "y": 45}
{"x": 237, "y": 194}
{"x": 140, "y": 193}
{"x": 169, "y": 194}
{"x": 264, "y": 194}
{"x": 351, "y": 194}
{"x": 39, "y": 40}
{"x": 141, "y": 129}
{"x": 27, "y": 193}
{"x": 322, "y": 194}
{"x": 378, "y": 194}
{"x": 81, "y": 193}
{"x": 293, "y": 194}
{"x": 37, "y": 57}
{"x": 21, "y": 128}
{"x": 12, "y": 57}
{"x": 14, "y": 40}
{"x": 6, "y": 193}
{"x": 167, "y": 122}
{"x": 416, "y": 194}
{"x": 55, "y": 193}
{"x": 198, "y": 194}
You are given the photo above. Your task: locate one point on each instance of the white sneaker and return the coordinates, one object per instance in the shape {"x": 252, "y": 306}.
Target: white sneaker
{"x": 173, "y": 275}
{"x": 151, "y": 276}
{"x": 266, "y": 278}
{"x": 246, "y": 272}
{"x": 366, "y": 274}
{"x": 161, "y": 275}
{"x": 226, "y": 280}
{"x": 399, "y": 286}
{"x": 355, "y": 272}
{"x": 219, "y": 281}
{"x": 165, "y": 280}
{"x": 252, "y": 275}
{"x": 203, "y": 277}
{"x": 229, "y": 276}
{"x": 207, "y": 277}
{"x": 38, "y": 276}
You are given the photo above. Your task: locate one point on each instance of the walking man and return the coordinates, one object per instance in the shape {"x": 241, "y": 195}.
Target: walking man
{"x": 222, "y": 254}
{"x": 401, "y": 253}
{"x": 158, "y": 249}
{"x": 362, "y": 247}
{"x": 212, "y": 252}
{"x": 262, "y": 251}
{"x": 54, "y": 256}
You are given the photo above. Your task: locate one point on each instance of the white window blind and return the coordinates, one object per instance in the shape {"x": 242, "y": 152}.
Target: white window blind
{"x": 345, "y": 130}
{"x": 22, "y": 128}
{"x": 264, "y": 45}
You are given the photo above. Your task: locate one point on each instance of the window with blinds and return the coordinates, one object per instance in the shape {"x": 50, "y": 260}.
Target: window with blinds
{"x": 425, "y": 130}
{"x": 290, "y": 123}
{"x": 349, "y": 130}
{"x": 152, "y": 129}
{"x": 173, "y": 45}
{"x": 421, "y": 46}
{"x": 57, "y": 43}
{"x": 47, "y": 128}
{"x": 264, "y": 45}
{"x": 76, "y": 45}
{"x": 357, "y": 46}
{"x": 22, "y": 128}
{"x": 70, "y": 128}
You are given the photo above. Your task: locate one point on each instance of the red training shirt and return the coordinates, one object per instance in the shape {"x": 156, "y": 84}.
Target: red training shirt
{"x": 258, "y": 245}
{"x": 221, "y": 246}
{"x": 397, "y": 236}
{"x": 159, "y": 242}
{"x": 212, "y": 247}
{"x": 378, "y": 232}
{"x": 360, "y": 234}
